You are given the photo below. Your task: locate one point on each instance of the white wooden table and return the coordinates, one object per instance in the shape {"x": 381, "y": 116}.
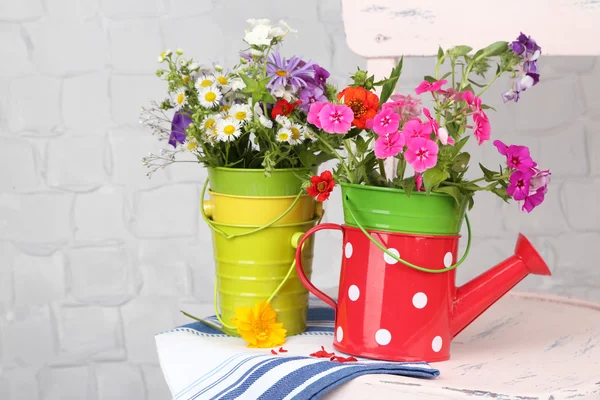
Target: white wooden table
{"x": 524, "y": 347}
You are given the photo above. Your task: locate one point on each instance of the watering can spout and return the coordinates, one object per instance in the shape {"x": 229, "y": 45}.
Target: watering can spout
{"x": 474, "y": 297}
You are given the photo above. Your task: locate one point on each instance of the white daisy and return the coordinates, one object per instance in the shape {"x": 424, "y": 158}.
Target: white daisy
{"x": 190, "y": 144}
{"x": 298, "y": 135}
{"x": 222, "y": 79}
{"x": 240, "y": 112}
{"x": 266, "y": 122}
{"x": 193, "y": 66}
{"x": 204, "y": 81}
{"x": 209, "y": 123}
{"x": 283, "y": 121}
{"x": 309, "y": 134}
{"x": 209, "y": 97}
{"x": 284, "y": 135}
{"x": 180, "y": 99}
{"x": 228, "y": 129}
{"x": 236, "y": 84}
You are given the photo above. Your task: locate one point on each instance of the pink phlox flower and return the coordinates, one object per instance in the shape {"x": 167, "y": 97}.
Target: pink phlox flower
{"x": 421, "y": 154}
{"x": 434, "y": 124}
{"x": 313, "y": 113}
{"x": 335, "y": 118}
{"x": 482, "y": 128}
{"x": 517, "y": 157}
{"x": 520, "y": 184}
{"x": 419, "y": 181}
{"x": 407, "y": 106}
{"x": 473, "y": 101}
{"x": 445, "y": 138}
{"x": 534, "y": 199}
{"x": 430, "y": 87}
{"x": 416, "y": 129}
{"x": 540, "y": 179}
{"x": 389, "y": 145}
{"x": 453, "y": 94}
{"x": 386, "y": 121}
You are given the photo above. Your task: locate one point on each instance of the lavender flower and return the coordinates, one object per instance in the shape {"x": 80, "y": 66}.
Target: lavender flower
{"x": 178, "y": 125}
{"x": 321, "y": 75}
{"x": 529, "y": 51}
{"x": 288, "y": 72}
{"x": 311, "y": 95}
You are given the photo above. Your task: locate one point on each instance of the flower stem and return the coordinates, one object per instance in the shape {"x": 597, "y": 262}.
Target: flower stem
{"x": 486, "y": 87}
{"x": 336, "y": 155}
{"x": 382, "y": 169}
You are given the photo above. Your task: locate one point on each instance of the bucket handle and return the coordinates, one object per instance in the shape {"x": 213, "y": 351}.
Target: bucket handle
{"x": 260, "y": 228}
{"x": 345, "y": 200}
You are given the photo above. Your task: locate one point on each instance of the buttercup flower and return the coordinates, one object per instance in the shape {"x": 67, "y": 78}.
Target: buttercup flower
{"x": 240, "y": 112}
{"x": 321, "y": 186}
{"x": 288, "y": 72}
{"x": 517, "y": 157}
{"x": 209, "y": 97}
{"x": 283, "y": 107}
{"x": 364, "y": 104}
{"x": 425, "y": 86}
{"x": 227, "y": 129}
{"x": 520, "y": 182}
{"x": 336, "y": 118}
{"x": 421, "y": 154}
{"x": 258, "y": 325}
{"x": 179, "y": 124}
{"x": 389, "y": 145}
{"x": 482, "y": 129}
{"x": 416, "y": 129}
{"x": 386, "y": 121}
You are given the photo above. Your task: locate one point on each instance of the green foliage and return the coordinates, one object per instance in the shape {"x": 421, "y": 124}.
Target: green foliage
{"x": 390, "y": 84}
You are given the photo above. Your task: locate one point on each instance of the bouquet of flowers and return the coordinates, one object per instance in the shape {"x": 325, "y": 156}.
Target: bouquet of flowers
{"x": 396, "y": 129}
{"x": 253, "y": 115}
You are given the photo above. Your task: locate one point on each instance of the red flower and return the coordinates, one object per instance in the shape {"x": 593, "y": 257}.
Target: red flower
{"x": 342, "y": 359}
{"x": 322, "y": 186}
{"x": 363, "y": 103}
{"x": 283, "y": 107}
{"x": 322, "y": 353}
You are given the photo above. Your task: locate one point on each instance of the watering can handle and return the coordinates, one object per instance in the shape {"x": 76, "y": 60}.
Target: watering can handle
{"x": 300, "y": 270}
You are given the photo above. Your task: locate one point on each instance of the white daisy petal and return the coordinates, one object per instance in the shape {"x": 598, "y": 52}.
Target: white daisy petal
{"x": 228, "y": 130}
{"x": 298, "y": 134}
{"x": 283, "y": 135}
{"x": 283, "y": 121}
{"x": 240, "y": 112}
{"x": 266, "y": 122}
{"x": 209, "y": 97}
{"x": 180, "y": 99}
{"x": 204, "y": 81}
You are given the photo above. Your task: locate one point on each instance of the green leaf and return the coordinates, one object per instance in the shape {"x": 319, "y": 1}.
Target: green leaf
{"x": 471, "y": 201}
{"x": 409, "y": 186}
{"x": 430, "y": 79}
{"x": 495, "y": 49}
{"x": 452, "y": 191}
{"x": 461, "y": 162}
{"x": 390, "y": 85}
{"x": 459, "y": 51}
{"x": 352, "y": 133}
{"x": 501, "y": 192}
{"x": 433, "y": 177}
{"x": 361, "y": 145}
{"x": 479, "y": 85}
{"x": 489, "y": 175}
{"x": 459, "y": 145}
{"x": 322, "y": 157}
{"x": 307, "y": 158}
{"x": 486, "y": 107}
{"x": 440, "y": 53}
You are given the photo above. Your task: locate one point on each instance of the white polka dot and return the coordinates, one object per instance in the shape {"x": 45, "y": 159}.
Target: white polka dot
{"x": 348, "y": 250}
{"x": 448, "y": 259}
{"x": 339, "y": 334}
{"x": 353, "y": 292}
{"x": 436, "y": 343}
{"x": 383, "y": 337}
{"x": 420, "y": 300}
{"x": 388, "y": 259}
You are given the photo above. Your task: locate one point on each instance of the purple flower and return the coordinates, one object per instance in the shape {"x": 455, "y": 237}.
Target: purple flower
{"x": 310, "y": 95}
{"x": 534, "y": 199}
{"x": 526, "y": 47}
{"x": 288, "y": 72}
{"x": 510, "y": 95}
{"x": 180, "y": 122}
{"x": 517, "y": 157}
{"x": 321, "y": 75}
{"x": 520, "y": 184}
{"x": 529, "y": 51}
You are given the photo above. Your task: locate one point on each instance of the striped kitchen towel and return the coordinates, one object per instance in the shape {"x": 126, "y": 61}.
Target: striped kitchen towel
{"x": 202, "y": 363}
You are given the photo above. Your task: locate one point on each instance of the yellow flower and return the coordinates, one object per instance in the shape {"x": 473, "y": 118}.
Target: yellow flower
{"x": 258, "y": 325}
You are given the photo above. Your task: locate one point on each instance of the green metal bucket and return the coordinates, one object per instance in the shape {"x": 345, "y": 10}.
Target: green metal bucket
{"x": 250, "y": 268}
{"x": 389, "y": 209}
{"x": 253, "y": 182}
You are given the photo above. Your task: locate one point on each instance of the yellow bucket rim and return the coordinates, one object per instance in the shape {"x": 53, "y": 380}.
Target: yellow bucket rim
{"x": 312, "y": 221}
{"x": 232, "y": 196}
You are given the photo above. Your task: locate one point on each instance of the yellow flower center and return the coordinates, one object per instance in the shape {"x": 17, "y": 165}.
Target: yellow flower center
{"x": 180, "y": 98}
{"x": 192, "y": 146}
{"x": 283, "y": 137}
{"x": 224, "y": 108}
{"x": 240, "y": 115}
{"x": 164, "y": 53}
{"x": 206, "y": 83}
{"x": 295, "y": 133}
{"x": 209, "y": 124}
{"x": 210, "y": 96}
{"x": 229, "y": 130}
{"x": 186, "y": 79}
{"x": 260, "y": 328}
{"x": 222, "y": 80}
{"x": 281, "y": 72}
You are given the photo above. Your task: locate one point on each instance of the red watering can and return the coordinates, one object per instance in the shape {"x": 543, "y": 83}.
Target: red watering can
{"x": 389, "y": 311}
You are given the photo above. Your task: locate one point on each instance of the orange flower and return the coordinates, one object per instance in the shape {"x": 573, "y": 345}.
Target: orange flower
{"x": 258, "y": 325}
{"x": 363, "y": 103}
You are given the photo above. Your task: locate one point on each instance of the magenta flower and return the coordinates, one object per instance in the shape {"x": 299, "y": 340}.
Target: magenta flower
{"x": 389, "y": 145}
{"x": 386, "y": 121}
{"x": 482, "y": 128}
{"x": 421, "y": 154}
{"x": 430, "y": 87}
{"x": 454, "y": 94}
{"x": 473, "y": 101}
{"x": 335, "y": 118}
{"x": 535, "y": 199}
{"x": 407, "y": 106}
{"x": 313, "y": 113}
{"x": 416, "y": 129}
{"x": 520, "y": 184}
{"x": 517, "y": 157}
{"x": 418, "y": 181}
{"x": 434, "y": 124}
